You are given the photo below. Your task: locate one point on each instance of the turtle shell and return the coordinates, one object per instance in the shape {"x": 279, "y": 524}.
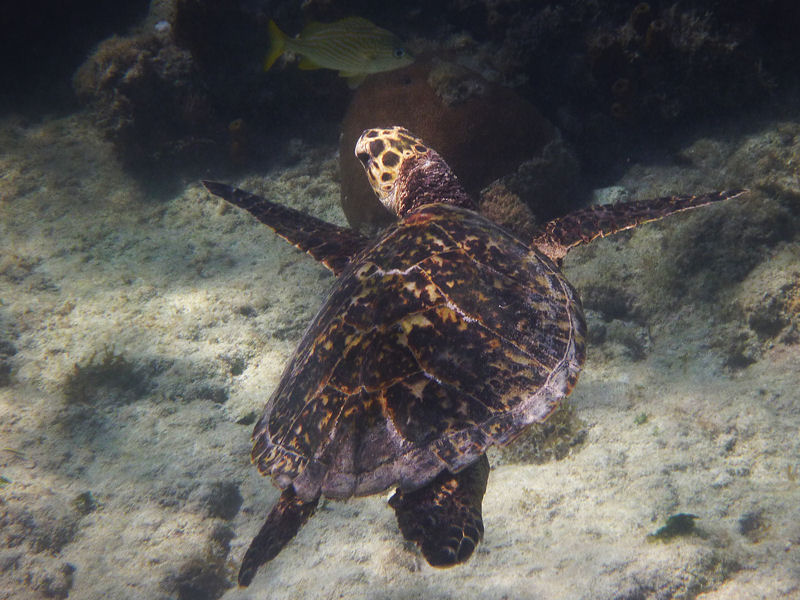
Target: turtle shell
{"x": 444, "y": 337}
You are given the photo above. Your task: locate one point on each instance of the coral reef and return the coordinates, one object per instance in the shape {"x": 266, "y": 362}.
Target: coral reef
{"x": 146, "y": 96}
{"x": 481, "y": 129}
{"x": 548, "y": 183}
{"x": 184, "y": 91}
{"x": 204, "y": 576}
{"x": 503, "y": 206}
{"x": 617, "y": 75}
{"x": 168, "y": 98}
{"x": 767, "y": 311}
{"x": 665, "y": 63}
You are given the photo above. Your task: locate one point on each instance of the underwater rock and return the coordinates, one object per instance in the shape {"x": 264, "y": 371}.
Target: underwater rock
{"x": 610, "y": 299}
{"x": 770, "y": 318}
{"x": 35, "y": 526}
{"x": 616, "y": 75}
{"x": 185, "y": 92}
{"x": 767, "y": 309}
{"x": 38, "y": 577}
{"x": 146, "y": 97}
{"x": 7, "y": 350}
{"x": 704, "y": 265}
{"x": 769, "y": 159}
{"x": 664, "y": 63}
{"x": 84, "y": 503}
{"x": 483, "y": 130}
{"x": 5, "y": 371}
{"x": 548, "y": 182}
{"x": 752, "y": 525}
{"x": 678, "y": 525}
{"x": 42, "y": 524}
{"x": 200, "y": 578}
{"x": 505, "y": 208}
{"x": 623, "y": 339}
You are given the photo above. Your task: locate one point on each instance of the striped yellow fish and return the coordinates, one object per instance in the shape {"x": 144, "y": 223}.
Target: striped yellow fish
{"x": 353, "y": 46}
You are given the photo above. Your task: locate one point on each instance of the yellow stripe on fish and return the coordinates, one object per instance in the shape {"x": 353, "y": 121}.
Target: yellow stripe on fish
{"x": 353, "y": 46}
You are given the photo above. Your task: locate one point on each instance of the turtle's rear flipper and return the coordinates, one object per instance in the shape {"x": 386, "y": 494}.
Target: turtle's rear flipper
{"x": 282, "y": 524}
{"x": 583, "y": 226}
{"x": 332, "y": 245}
{"x": 444, "y": 517}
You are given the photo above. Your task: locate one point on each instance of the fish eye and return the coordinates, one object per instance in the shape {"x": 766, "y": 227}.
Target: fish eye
{"x": 399, "y": 53}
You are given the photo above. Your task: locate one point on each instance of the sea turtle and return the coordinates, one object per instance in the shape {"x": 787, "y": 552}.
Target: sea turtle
{"x": 442, "y": 336}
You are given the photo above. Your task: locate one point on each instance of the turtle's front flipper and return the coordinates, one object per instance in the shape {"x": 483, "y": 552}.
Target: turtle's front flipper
{"x": 583, "y": 226}
{"x": 332, "y": 245}
{"x": 444, "y": 517}
{"x": 282, "y": 524}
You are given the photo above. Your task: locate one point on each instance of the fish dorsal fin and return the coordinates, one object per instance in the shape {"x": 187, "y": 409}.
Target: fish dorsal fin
{"x": 582, "y": 226}
{"x": 313, "y": 28}
{"x": 350, "y": 24}
{"x": 330, "y": 244}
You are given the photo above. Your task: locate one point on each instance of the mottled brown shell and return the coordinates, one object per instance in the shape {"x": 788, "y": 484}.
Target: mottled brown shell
{"x": 445, "y": 336}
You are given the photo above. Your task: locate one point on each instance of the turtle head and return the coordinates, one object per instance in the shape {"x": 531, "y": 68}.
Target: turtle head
{"x": 405, "y": 173}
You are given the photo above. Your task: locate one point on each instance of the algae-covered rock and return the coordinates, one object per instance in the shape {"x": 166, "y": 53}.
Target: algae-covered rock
{"x": 147, "y": 98}
{"x": 483, "y": 130}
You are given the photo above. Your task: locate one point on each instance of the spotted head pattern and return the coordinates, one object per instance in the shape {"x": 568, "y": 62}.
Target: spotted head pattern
{"x": 405, "y": 173}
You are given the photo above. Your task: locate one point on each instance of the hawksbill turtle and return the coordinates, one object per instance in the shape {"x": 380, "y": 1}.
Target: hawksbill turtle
{"x": 442, "y": 336}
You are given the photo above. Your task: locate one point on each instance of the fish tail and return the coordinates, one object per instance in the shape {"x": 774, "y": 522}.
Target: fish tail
{"x": 277, "y": 42}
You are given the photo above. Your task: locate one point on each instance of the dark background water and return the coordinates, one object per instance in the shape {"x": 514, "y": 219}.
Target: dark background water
{"x": 43, "y": 42}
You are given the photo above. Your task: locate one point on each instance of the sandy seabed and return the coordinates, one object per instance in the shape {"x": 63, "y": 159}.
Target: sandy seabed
{"x": 140, "y": 337}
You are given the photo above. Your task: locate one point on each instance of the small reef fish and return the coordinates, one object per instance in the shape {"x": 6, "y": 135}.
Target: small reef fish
{"x": 353, "y": 46}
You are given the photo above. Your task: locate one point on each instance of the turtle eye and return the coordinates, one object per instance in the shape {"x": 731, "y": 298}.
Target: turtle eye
{"x": 399, "y": 53}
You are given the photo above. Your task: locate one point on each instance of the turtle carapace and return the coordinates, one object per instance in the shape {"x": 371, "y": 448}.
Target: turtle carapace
{"x": 444, "y": 335}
